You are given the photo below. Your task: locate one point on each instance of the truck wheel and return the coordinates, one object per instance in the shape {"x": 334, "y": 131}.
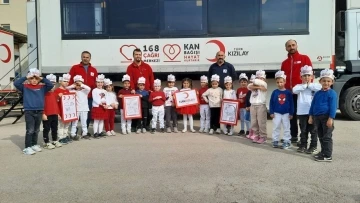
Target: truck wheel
{"x": 350, "y": 103}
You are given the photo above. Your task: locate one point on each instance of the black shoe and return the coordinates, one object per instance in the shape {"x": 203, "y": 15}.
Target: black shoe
{"x": 316, "y": 156}
{"x": 153, "y": 131}
{"x": 311, "y": 150}
{"x": 148, "y": 128}
{"x": 69, "y": 139}
{"x": 96, "y": 136}
{"x": 323, "y": 159}
{"x": 88, "y": 134}
{"x": 242, "y": 132}
{"x": 294, "y": 141}
{"x": 162, "y": 130}
{"x": 133, "y": 130}
{"x": 103, "y": 135}
{"x": 76, "y": 138}
{"x": 86, "y": 137}
{"x": 301, "y": 149}
{"x": 247, "y": 133}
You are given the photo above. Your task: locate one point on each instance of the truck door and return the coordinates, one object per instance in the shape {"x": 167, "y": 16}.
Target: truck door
{"x": 358, "y": 34}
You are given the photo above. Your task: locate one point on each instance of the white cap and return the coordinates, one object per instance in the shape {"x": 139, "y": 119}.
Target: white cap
{"x": 141, "y": 80}
{"x": 215, "y": 78}
{"x": 107, "y": 82}
{"x": 66, "y": 77}
{"x": 327, "y": 73}
{"x": 280, "y": 74}
{"x": 125, "y": 78}
{"x": 78, "y": 78}
{"x": 306, "y": 70}
{"x": 33, "y": 72}
{"x": 260, "y": 74}
{"x": 157, "y": 82}
{"x": 100, "y": 78}
{"x": 227, "y": 79}
{"x": 204, "y": 79}
{"x": 243, "y": 76}
{"x": 51, "y": 77}
{"x": 252, "y": 78}
{"x": 171, "y": 78}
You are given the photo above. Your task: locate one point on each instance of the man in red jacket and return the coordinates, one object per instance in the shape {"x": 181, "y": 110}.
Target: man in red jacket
{"x": 89, "y": 74}
{"x": 291, "y": 66}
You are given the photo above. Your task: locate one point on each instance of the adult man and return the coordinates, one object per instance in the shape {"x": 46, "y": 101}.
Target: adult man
{"x": 222, "y": 68}
{"x": 292, "y": 66}
{"x": 136, "y": 70}
{"x": 89, "y": 74}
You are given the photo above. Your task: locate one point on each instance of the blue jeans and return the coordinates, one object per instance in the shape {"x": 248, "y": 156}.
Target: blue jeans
{"x": 243, "y": 120}
{"x": 90, "y": 100}
{"x": 32, "y": 120}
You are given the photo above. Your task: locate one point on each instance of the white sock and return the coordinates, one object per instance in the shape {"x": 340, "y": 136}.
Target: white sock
{"x": 191, "y": 121}
{"x": 96, "y": 126}
{"x": 101, "y": 126}
{"x": 185, "y": 121}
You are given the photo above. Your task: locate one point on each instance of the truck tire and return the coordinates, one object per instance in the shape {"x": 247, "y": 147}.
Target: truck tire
{"x": 350, "y": 103}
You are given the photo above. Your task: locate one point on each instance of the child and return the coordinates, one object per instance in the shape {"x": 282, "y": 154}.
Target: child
{"x": 213, "y": 96}
{"x": 305, "y": 92}
{"x": 63, "y": 129}
{"x": 187, "y": 111}
{"x": 170, "y": 110}
{"x": 322, "y": 113}
{"x": 50, "y": 116}
{"x": 112, "y": 104}
{"x": 258, "y": 108}
{"x": 125, "y": 123}
{"x": 281, "y": 111}
{"x": 157, "y": 99}
{"x": 33, "y": 88}
{"x": 82, "y": 107}
{"x": 144, "y": 94}
{"x": 204, "y": 106}
{"x": 241, "y": 94}
{"x": 229, "y": 93}
{"x": 248, "y": 104}
{"x": 98, "y": 111}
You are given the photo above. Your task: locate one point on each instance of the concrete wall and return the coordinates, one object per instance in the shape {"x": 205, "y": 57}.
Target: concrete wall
{"x": 15, "y": 15}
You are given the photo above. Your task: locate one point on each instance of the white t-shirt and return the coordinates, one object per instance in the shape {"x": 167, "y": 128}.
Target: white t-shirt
{"x": 169, "y": 95}
{"x": 99, "y": 97}
{"x": 305, "y": 95}
{"x": 81, "y": 97}
{"x": 229, "y": 94}
{"x": 257, "y": 96}
{"x": 111, "y": 99}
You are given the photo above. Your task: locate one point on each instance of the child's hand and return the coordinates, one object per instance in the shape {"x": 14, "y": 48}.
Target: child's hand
{"x": 329, "y": 123}
{"x": 310, "y": 121}
{"x": 60, "y": 94}
{"x": 140, "y": 95}
{"x": 59, "y": 117}
{"x": 247, "y": 109}
{"x": 120, "y": 96}
{"x": 272, "y": 115}
{"x": 290, "y": 117}
{"x": 132, "y": 91}
{"x": 44, "y": 117}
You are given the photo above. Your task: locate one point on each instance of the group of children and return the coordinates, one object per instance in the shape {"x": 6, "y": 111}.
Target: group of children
{"x": 316, "y": 108}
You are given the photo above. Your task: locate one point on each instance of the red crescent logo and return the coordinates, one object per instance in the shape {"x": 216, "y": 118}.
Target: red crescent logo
{"x": 124, "y": 55}
{"x": 187, "y": 95}
{"x": 7, "y": 60}
{"x": 219, "y": 44}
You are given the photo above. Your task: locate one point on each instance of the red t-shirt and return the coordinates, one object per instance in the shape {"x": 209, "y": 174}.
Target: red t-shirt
{"x": 57, "y": 91}
{"x": 123, "y": 92}
{"x": 50, "y": 106}
{"x": 201, "y": 92}
{"x": 241, "y": 95}
{"x": 157, "y": 102}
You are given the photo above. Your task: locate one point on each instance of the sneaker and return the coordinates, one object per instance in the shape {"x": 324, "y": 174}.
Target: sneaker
{"x": 138, "y": 131}
{"x": 256, "y": 138}
{"x": 230, "y": 134}
{"x": 152, "y": 130}
{"x": 192, "y": 130}
{"x": 286, "y": 145}
{"x": 201, "y": 130}
{"x": 131, "y": 130}
{"x": 242, "y": 132}
{"x": 88, "y": 134}
{"x": 86, "y": 137}
{"x": 49, "y": 146}
{"x": 176, "y": 130}
{"x": 261, "y": 140}
{"x": 36, "y": 148}
{"x": 247, "y": 133}
{"x": 96, "y": 136}
{"x": 168, "y": 130}
{"x": 184, "y": 130}
{"x": 294, "y": 141}
{"x": 252, "y": 137}
{"x": 298, "y": 144}
{"x": 102, "y": 135}
{"x": 113, "y": 133}
{"x": 29, "y": 151}
{"x": 311, "y": 150}
{"x": 123, "y": 132}
{"x": 68, "y": 139}
{"x": 206, "y": 130}
{"x": 211, "y": 131}
{"x": 323, "y": 159}
{"x": 225, "y": 131}
{"x": 316, "y": 156}
{"x": 248, "y": 136}
{"x": 218, "y": 131}
{"x": 275, "y": 144}
{"x": 57, "y": 144}
{"x": 301, "y": 149}
{"x": 144, "y": 130}
{"x": 108, "y": 133}
{"x": 63, "y": 141}
{"x": 162, "y": 130}
{"x": 76, "y": 138}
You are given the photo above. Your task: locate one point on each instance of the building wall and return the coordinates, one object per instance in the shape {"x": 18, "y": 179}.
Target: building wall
{"x": 15, "y": 15}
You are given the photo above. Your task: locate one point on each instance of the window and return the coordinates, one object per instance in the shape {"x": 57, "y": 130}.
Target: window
{"x": 281, "y": 16}
{"x": 182, "y": 18}
{"x": 6, "y": 26}
{"x": 83, "y": 17}
{"x": 4, "y": 1}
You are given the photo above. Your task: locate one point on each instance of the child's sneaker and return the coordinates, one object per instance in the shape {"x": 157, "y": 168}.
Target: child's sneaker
{"x": 108, "y": 133}
{"x": 63, "y": 141}
{"x": 301, "y": 149}
{"x": 225, "y": 131}
{"x": 311, "y": 150}
{"x": 102, "y": 135}
{"x": 168, "y": 130}
{"x": 138, "y": 131}
{"x": 184, "y": 130}
{"x": 162, "y": 130}
{"x": 29, "y": 151}
{"x": 211, "y": 131}
{"x": 123, "y": 132}
{"x": 36, "y": 148}
{"x": 275, "y": 144}
{"x": 252, "y": 137}
{"x": 57, "y": 144}
{"x": 261, "y": 140}
{"x": 242, "y": 132}
{"x": 176, "y": 130}
{"x": 248, "y": 136}
{"x": 322, "y": 158}
{"x": 76, "y": 138}
{"x": 255, "y": 139}
{"x": 193, "y": 131}
{"x": 113, "y": 132}
{"x": 129, "y": 131}
{"x": 68, "y": 139}
{"x": 218, "y": 131}
{"x": 247, "y": 133}
{"x": 49, "y": 146}
{"x": 152, "y": 130}
{"x": 86, "y": 137}
{"x": 286, "y": 145}
{"x": 230, "y": 133}
{"x": 96, "y": 136}
{"x": 144, "y": 130}
{"x": 206, "y": 130}
{"x": 201, "y": 130}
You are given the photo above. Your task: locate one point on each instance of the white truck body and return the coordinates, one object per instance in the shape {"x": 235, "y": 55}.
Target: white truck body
{"x": 6, "y": 59}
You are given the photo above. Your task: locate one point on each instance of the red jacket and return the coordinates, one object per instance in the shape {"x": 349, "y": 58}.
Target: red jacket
{"x": 51, "y": 106}
{"x": 89, "y": 76}
{"x": 144, "y": 70}
{"x": 157, "y": 102}
{"x": 292, "y": 66}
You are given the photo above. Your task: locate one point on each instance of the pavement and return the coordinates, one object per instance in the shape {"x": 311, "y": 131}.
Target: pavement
{"x": 182, "y": 167}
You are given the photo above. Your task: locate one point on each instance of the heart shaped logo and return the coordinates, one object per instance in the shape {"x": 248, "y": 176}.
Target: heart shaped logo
{"x": 172, "y": 51}
{"x": 126, "y": 51}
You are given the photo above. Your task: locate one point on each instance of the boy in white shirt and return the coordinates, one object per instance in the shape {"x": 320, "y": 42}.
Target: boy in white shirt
{"x": 170, "y": 110}
{"x": 305, "y": 92}
{"x": 82, "y": 108}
